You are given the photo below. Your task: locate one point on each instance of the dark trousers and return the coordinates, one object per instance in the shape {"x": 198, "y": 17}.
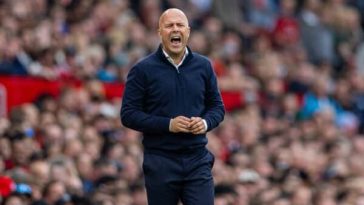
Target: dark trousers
{"x": 170, "y": 177}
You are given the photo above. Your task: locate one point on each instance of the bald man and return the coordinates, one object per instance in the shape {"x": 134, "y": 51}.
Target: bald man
{"x": 172, "y": 97}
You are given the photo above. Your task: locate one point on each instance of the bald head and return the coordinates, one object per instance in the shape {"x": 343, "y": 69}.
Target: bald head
{"x": 172, "y": 12}
{"x": 174, "y": 33}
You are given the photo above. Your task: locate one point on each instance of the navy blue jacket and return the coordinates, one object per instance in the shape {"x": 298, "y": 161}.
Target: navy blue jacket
{"x": 155, "y": 92}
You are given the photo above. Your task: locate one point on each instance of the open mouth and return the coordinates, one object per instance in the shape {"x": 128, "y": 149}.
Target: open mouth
{"x": 175, "y": 40}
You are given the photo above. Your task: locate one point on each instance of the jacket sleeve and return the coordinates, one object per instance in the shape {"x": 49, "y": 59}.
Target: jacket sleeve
{"x": 214, "y": 106}
{"x": 132, "y": 113}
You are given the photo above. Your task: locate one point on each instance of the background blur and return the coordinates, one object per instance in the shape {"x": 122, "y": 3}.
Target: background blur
{"x": 291, "y": 74}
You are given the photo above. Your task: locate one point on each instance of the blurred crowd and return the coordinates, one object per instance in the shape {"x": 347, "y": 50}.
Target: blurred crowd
{"x": 298, "y": 64}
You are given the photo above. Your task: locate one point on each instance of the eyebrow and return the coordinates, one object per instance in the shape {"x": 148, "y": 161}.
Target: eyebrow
{"x": 178, "y": 23}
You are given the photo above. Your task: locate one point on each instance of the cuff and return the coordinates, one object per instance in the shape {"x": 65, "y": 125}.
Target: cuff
{"x": 205, "y": 123}
{"x": 170, "y": 124}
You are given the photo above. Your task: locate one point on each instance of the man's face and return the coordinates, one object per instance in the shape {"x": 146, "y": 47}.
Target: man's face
{"x": 174, "y": 32}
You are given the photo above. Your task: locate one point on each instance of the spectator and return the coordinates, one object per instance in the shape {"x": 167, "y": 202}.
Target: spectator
{"x": 316, "y": 37}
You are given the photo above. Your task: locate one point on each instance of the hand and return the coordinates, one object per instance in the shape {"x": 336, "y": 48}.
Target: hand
{"x": 180, "y": 124}
{"x": 197, "y": 126}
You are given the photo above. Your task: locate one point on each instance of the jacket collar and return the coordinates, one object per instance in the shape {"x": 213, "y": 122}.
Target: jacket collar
{"x": 161, "y": 55}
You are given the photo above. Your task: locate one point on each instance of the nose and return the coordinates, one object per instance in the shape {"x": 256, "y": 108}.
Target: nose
{"x": 175, "y": 27}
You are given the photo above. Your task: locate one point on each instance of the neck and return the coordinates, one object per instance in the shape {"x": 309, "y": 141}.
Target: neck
{"x": 177, "y": 58}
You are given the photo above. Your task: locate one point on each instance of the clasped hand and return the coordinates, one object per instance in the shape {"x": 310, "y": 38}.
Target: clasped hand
{"x": 194, "y": 125}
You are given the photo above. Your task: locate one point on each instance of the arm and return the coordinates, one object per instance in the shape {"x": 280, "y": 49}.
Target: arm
{"x": 214, "y": 111}
{"x": 132, "y": 114}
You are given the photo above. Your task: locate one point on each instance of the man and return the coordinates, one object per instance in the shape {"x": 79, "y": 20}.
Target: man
{"x": 172, "y": 97}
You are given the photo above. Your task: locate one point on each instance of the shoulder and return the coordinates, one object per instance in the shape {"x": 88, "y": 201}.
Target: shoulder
{"x": 147, "y": 60}
{"x": 145, "y": 63}
{"x": 201, "y": 58}
{"x": 203, "y": 62}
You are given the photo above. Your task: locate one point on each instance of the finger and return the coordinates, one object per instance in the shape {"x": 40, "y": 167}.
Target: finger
{"x": 196, "y": 125}
{"x": 197, "y": 132}
{"x": 198, "y": 129}
{"x": 182, "y": 125}
{"x": 194, "y": 121}
{"x": 201, "y": 130}
{"x": 183, "y": 130}
{"x": 184, "y": 120}
{"x": 179, "y": 124}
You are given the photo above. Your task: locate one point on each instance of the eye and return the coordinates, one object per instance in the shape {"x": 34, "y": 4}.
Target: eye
{"x": 180, "y": 25}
